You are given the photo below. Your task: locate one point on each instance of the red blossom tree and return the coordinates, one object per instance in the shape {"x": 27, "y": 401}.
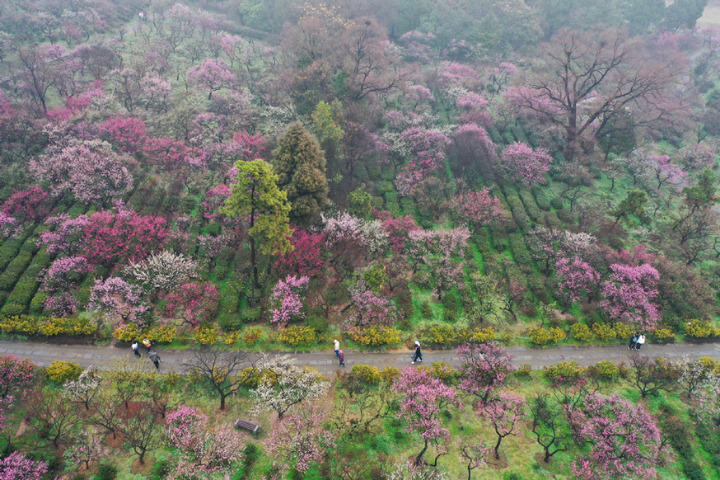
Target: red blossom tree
{"x": 129, "y": 134}
{"x": 27, "y": 205}
{"x": 306, "y": 259}
{"x": 195, "y": 303}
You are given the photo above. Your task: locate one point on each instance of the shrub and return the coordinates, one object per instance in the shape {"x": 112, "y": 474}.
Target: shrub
{"x": 127, "y": 333}
{"x": 519, "y": 249}
{"x": 206, "y": 334}
{"x": 376, "y": 336}
{"x": 604, "y": 331}
{"x": 367, "y": 373}
{"x": 450, "y": 307}
{"x": 389, "y": 374}
{"x": 231, "y": 338}
{"x": 567, "y": 370}
{"x": 318, "y": 323}
{"x": 544, "y": 336}
{"x": 438, "y": 335}
{"x": 483, "y": 335}
{"x": 250, "y": 376}
{"x": 161, "y": 334}
{"x": 524, "y": 370}
{"x": 701, "y": 330}
{"x": 161, "y": 469}
{"x": 37, "y": 304}
{"x": 30, "y": 325}
{"x": 252, "y": 334}
{"x": 581, "y": 332}
{"x": 540, "y": 198}
{"x": 664, "y": 334}
{"x": 709, "y": 364}
{"x": 605, "y": 370}
{"x": 61, "y": 371}
{"x": 442, "y": 371}
{"x": 296, "y": 335}
{"x": 557, "y": 203}
{"x": 107, "y": 472}
{"x": 12, "y": 309}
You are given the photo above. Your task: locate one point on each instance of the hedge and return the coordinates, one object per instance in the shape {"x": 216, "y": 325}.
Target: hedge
{"x": 532, "y": 210}
{"x": 540, "y": 198}
{"x": 46, "y": 326}
{"x": 519, "y": 249}
{"x": 13, "y": 271}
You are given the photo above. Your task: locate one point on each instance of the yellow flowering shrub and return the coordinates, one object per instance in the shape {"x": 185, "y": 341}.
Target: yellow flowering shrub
{"x": 663, "y": 332}
{"x": 701, "y": 329}
{"x": 565, "y": 370}
{"x": 296, "y": 335}
{"x": 605, "y": 369}
{"x": 622, "y": 330}
{"x": 206, "y": 334}
{"x": 544, "y": 336}
{"x": 46, "y": 326}
{"x": 389, "y": 374}
{"x": 483, "y": 335}
{"x": 367, "y": 373}
{"x": 61, "y": 371}
{"x": 161, "y": 334}
{"x": 252, "y": 334}
{"x": 232, "y": 338}
{"x": 581, "y": 332}
{"x": 438, "y": 335}
{"x": 375, "y": 336}
{"x": 250, "y": 376}
{"x": 442, "y": 371}
{"x": 127, "y": 333}
{"x": 604, "y": 331}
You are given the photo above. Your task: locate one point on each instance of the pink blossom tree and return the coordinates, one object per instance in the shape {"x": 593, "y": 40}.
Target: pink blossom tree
{"x": 503, "y": 412}
{"x": 306, "y": 259}
{"x": 301, "y": 439}
{"x": 368, "y": 309}
{"x": 92, "y": 172}
{"x": 473, "y": 108}
{"x": 195, "y": 303}
{"x": 63, "y": 275}
{"x": 630, "y": 293}
{"x": 17, "y": 467}
{"x": 427, "y": 154}
{"x": 15, "y": 375}
{"x": 214, "y": 199}
{"x": 66, "y": 235}
{"x": 575, "y": 278}
{"x": 286, "y": 300}
{"x": 424, "y": 398}
{"x": 211, "y": 75}
{"x": 8, "y": 225}
{"x": 478, "y": 209}
{"x": 118, "y": 300}
{"x": 665, "y": 172}
{"x": 624, "y": 439}
{"x": 483, "y": 368}
{"x": 397, "y": 229}
{"x": 520, "y": 163}
{"x": 201, "y": 449}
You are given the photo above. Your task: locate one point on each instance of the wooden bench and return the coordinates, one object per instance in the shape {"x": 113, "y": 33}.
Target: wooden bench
{"x": 247, "y": 426}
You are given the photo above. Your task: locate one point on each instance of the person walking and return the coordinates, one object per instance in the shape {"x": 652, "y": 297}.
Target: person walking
{"x": 136, "y": 348}
{"x": 146, "y": 342}
{"x": 640, "y": 342}
{"x": 155, "y": 359}
{"x": 341, "y": 357}
{"x": 417, "y": 356}
{"x": 337, "y": 348}
{"x": 633, "y": 340}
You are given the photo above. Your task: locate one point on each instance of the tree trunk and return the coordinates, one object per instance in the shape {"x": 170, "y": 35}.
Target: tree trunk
{"x": 497, "y": 448}
{"x": 222, "y": 401}
{"x": 547, "y": 455}
{"x": 418, "y": 460}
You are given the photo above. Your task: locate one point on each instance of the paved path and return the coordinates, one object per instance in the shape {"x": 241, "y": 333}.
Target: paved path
{"x": 102, "y": 357}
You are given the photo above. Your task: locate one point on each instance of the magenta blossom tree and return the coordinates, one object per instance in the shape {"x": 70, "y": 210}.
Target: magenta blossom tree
{"x": 286, "y": 299}
{"x": 575, "y": 278}
{"x": 624, "y": 439}
{"x": 211, "y": 75}
{"x": 520, "y": 163}
{"x": 503, "y": 412}
{"x": 129, "y": 134}
{"x": 424, "y": 398}
{"x": 118, "y": 300}
{"x": 478, "y": 209}
{"x": 306, "y": 259}
{"x": 27, "y": 205}
{"x": 630, "y": 294}
{"x": 483, "y": 368}
{"x": 301, "y": 439}
{"x": 17, "y": 467}
{"x": 397, "y": 229}
{"x": 195, "y": 303}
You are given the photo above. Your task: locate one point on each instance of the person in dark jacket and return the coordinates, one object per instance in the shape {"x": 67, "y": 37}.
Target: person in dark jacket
{"x": 155, "y": 358}
{"x": 633, "y": 341}
{"x": 417, "y": 357}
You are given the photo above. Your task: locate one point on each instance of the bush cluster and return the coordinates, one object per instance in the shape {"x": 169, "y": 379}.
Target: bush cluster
{"x": 297, "y": 335}
{"x": 544, "y": 336}
{"x": 47, "y": 326}
{"x": 372, "y": 375}
{"x": 61, "y": 371}
{"x": 701, "y": 330}
{"x": 567, "y": 370}
{"x": 448, "y": 336}
{"x": 375, "y": 336}
{"x": 604, "y": 370}
{"x": 253, "y": 334}
{"x": 156, "y": 334}
{"x": 206, "y": 334}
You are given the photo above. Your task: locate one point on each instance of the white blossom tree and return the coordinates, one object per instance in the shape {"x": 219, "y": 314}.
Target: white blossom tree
{"x": 162, "y": 271}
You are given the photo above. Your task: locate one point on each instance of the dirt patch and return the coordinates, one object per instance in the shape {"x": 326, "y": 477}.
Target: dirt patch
{"x": 143, "y": 469}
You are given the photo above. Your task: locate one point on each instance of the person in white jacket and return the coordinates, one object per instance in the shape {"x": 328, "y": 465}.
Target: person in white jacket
{"x": 640, "y": 342}
{"x": 337, "y": 348}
